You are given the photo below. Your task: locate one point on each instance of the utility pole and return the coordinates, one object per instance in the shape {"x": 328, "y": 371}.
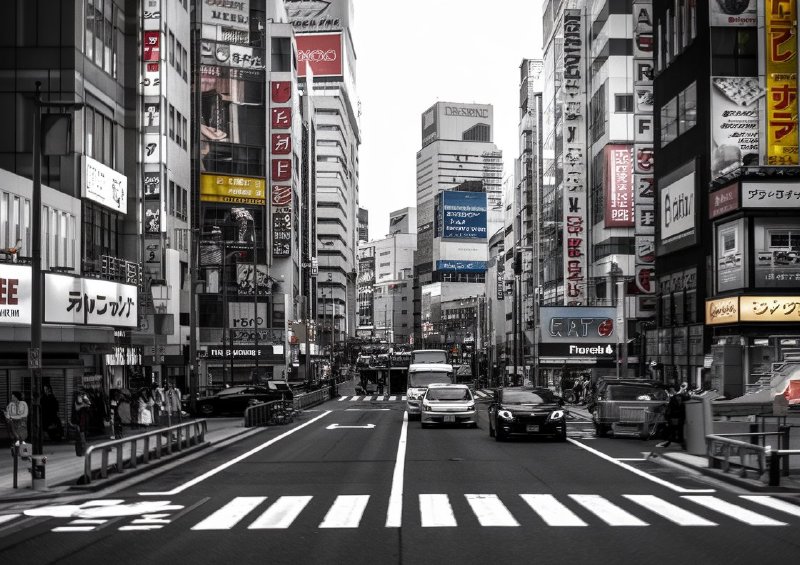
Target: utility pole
{"x": 255, "y": 302}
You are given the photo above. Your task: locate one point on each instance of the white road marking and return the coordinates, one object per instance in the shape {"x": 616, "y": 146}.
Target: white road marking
{"x": 552, "y": 511}
{"x": 340, "y": 427}
{"x": 639, "y": 472}
{"x": 367, "y": 409}
{"x": 346, "y": 511}
{"x": 231, "y": 514}
{"x": 668, "y": 510}
{"x": 8, "y": 518}
{"x": 403, "y": 397}
{"x": 395, "y": 510}
{"x": 490, "y": 511}
{"x": 392, "y": 398}
{"x": 73, "y": 529}
{"x": 774, "y": 503}
{"x": 140, "y": 528}
{"x": 235, "y": 460}
{"x": 87, "y": 522}
{"x": 736, "y": 512}
{"x": 353, "y": 399}
{"x": 342, "y": 398}
{"x": 435, "y": 511}
{"x": 607, "y": 511}
{"x": 281, "y": 514}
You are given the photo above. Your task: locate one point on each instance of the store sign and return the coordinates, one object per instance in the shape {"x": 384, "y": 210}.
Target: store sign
{"x": 462, "y": 215}
{"x": 619, "y": 211}
{"x": 15, "y": 295}
{"x": 226, "y": 20}
{"x": 730, "y": 256}
{"x": 779, "y": 309}
{"x": 577, "y": 324}
{"x": 241, "y": 352}
{"x": 92, "y": 302}
{"x": 105, "y": 186}
{"x": 678, "y": 208}
{"x": 321, "y": 52}
{"x": 770, "y": 195}
{"x": 734, "y": 123}
{"x": 780, "y": 18}
{"x": 233, "y": 190}
{"x": 733, "y": 13}
{"x": 461, "y": 266}
{"x": 319, "y": 15}
{"x": 572, "y": 350}
{"x": 722, "y": 311}
{"x": 723, "y": 201}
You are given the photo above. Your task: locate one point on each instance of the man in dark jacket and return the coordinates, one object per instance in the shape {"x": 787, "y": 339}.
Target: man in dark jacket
{"x": 676, "y": 416}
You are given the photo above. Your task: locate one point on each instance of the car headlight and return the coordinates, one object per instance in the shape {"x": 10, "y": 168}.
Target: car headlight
{"x": 506, "y": 415}
{"x": 556, "y": 414}
{"x": 426, "y": 405}
{"x": 471, "y": 406}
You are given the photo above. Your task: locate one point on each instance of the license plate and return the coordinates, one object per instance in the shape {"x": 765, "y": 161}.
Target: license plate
{"x": 532, "y": 428}
{"x": 449, "y": 419}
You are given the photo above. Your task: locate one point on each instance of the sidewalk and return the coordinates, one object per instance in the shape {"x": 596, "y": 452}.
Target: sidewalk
{"x": 63, "y": 467}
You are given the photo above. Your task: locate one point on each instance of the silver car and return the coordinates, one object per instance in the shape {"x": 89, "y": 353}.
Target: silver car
{"x": 448, "y": 404}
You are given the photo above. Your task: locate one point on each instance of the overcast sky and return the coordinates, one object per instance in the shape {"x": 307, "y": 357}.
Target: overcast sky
{"x": 416, "y": 52}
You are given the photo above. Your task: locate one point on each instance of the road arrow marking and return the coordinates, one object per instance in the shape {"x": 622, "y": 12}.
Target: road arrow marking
{"x": 338, "y": 427}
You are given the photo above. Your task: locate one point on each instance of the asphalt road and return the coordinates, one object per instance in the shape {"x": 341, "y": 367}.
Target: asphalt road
{"x": 352, "y": 482}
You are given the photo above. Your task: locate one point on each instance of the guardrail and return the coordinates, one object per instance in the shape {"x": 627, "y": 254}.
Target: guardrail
{"x": 153, "y": 444}
{"x": 725, "y": 452}
{"x": 312, "y": 398}
{"x": 264, "y": 413}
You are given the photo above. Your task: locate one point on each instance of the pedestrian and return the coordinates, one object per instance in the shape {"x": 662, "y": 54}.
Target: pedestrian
{"x": 17, "y": 418}
{"x": 50, "y": 420}
{"x": 145, "y": 416}
{"x": 676, "y": 416}
{"x": 158, "y": 402}
{"x": 587, "y": 390}
{"x": 173, "y": 403}
{"x": 116, "y": 418}
{"x": 577, "y": 389}
{"x": 81, "y": 411}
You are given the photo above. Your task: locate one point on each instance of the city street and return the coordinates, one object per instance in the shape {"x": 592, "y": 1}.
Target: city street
{"x": 351, "y": 481}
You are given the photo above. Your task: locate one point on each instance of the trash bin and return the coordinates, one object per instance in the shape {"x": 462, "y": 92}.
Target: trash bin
{"x": 38, "y": 472}
{"x": 698, "y": 423}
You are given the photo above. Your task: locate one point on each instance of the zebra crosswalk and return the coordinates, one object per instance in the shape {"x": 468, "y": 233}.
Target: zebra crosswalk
{"x": 429, "y": 510}
{"x": 479, "y": 394}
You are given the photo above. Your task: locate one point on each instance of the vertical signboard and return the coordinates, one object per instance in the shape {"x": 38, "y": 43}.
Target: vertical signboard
{"x": 780, "y": 17}
{"x": 574, "y": 190}
{"x": 619, "y": 187}
{"x": 281, "y": 166}
{"x": 734, "y": 123}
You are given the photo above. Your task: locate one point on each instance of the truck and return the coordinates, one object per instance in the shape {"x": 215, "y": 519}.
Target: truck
{"x": 420, "y": 375}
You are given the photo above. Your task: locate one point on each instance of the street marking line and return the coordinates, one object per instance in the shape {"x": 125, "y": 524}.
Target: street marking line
{"x": 607, "y": 511}
{"x": 231, "y": 514}
{"x": 82, "y": 522}
{"x": 346, "y": 511}
{"x": 395, "y": 510}
{"x": 632, "y": 459}
{"x": 235, "y": 460}
{"x": 354, "y": 398}
{"x": 403, "y": 397}
{"x": 736, "y": 512}
{"x": 73, "y": 529}
{"x": 139, "y": 528}
{"x": 551, "y": 510}
{"x": 281, "y": 514}
{"x": 435, "y": 511}
{"x": 667, "y": 510}
{"x": 367, "y": 409}
{"x": 774, "y": 503}
{"x": 8, "y": 518}
{"x": 490, "y": 511}
{"x": 342, "y": 398}
{"x": 639, "y": 472}
{"x": 392, "y": 398}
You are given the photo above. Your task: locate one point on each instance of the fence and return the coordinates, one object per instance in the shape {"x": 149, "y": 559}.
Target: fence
{"x": 727, "y": 453}
{"x": 264, "y": 413}
{"x": 142, "y": 448}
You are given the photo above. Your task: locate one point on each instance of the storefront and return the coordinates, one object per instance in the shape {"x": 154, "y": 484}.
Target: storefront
{"x": 220, "y": 366}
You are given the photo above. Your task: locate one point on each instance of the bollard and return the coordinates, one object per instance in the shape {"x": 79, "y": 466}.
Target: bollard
{"x": 774, "y": 469}
{"x": 38, "y": 472}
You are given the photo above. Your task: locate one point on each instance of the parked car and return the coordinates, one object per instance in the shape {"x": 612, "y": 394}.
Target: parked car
{"x": 630, "y": 407}
{"x": 236, "y": 399}
{"x": 529, "y": 411}
{"x": 448, "y": 404}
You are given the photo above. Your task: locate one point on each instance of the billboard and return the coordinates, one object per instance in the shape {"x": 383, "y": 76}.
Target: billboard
{"x": 780, "y": 17}
{"x": 319, "y": 15}
{"x": 232, "y": 105}
{"x": 731, "y": 263}
{"x": 770, "y": 195}
{"x": 723, "y": 201}
{"x": 105, "y": 186}
{"x": 92, "y": 302}
{"x": 776, "y": 245}
{"x": 462, "y": 215}
{"x": 734, "y": 123}
{"x": 457, "y": 121}
{"x": 678, "y": 209}
{"x": 322, "y": 52}
{"x": 736, "y": 13}
{"x": 430, "y": 129}
{"x": 619, "y": 187}
{"x": 578, "y": 324}
{"x": 461, "y": 266}
{"x": 15, "y": 295}
{"x": 226, "y": 21}
{"x": 232, "y": 190}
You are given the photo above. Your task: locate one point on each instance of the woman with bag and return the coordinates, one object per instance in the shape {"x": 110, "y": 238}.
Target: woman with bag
{"x": 145, "y": 403}
{"x": 17, "y": 418}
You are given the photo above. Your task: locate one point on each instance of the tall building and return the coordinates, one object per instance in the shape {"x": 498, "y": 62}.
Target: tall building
{"x": 326, "y": 52}
{"x": 459, "y": 202}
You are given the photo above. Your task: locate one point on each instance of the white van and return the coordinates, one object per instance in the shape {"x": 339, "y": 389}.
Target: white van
{"x": 420, "y": 375}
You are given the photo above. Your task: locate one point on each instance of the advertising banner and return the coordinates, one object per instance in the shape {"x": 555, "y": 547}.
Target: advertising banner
{"x": 319, "y": 15}
{"x": 322, "y": 52}
{"x": 722, "y": 311}
{"x": 231, "y": 105}
{"x": 619, "y": 187}
{"x": 573, "y": 350}
{"x": 241, "y": 316}
{"x": 777, "y": 252}
{"x": 105, "y": 186}
{"x": 770, "y": 195}
{"x": 578, "y": 324}
{"x": 15, "y": 295}
{"x": 235, "y": 190}
{"x": 730, "y": 256}
{"x": 734, "y": 123}
{"x": 733, "y": 13}
{"x": 723, "y": 201}
{"x": 93, "y": 302}
{"x": 462, "y": 215}
{"x": 244, "y": 279}
{"x": 227, "y": 21}
{"x": 780, "y": 17}
{"x": 678, "y": 210}
{"x": 429, "y": 126}
{"x": 461, "y": 266}
{"x": 780, "y": 309}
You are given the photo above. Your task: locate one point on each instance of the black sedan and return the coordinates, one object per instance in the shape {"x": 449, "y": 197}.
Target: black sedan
{"x": 527, "y": 411}
{"x": 236, "y": 399}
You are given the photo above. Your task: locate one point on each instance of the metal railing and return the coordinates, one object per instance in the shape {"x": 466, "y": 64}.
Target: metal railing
{"x": 142, "y": 448}
{"x": 726, "y": 453}
{"x": 310, "y": 399}
{"x": 264, "y": 413}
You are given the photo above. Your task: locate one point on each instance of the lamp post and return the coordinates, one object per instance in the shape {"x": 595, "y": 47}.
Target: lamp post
{"x": 35, "y": 352}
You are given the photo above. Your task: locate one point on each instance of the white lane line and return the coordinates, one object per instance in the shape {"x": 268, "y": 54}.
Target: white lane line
{"x": 392, "y": 398}
{"x": 736, "y": 512}
{"x": 774, "y": 503}
{"x": 231, "y": 514}
{"x": 346, "y": 511}
{"x": 8, "y": 518}
{"x": 281, "y": 514}
{"x": 403, "y": 397}
{"x": 73, "y": 529}
{"x": 234, "y": 461}
{"x": 607, "y": 511}
{"x": 140, "y": 528}
{"x": 623, "y": 458}
{"x": 668, "y": 510}
{"x": 490, "y": 511}
{"x": 551, "y": 510}
{"x": 639, "y": 472}
{"x": 367, "y": 409}
{"x": 87, "y": 522}
{"x": 395, "y": 510}
{"x": 435, "y": 511}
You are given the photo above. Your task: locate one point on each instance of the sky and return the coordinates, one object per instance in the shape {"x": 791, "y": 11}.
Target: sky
{"x": 414, "y": 53}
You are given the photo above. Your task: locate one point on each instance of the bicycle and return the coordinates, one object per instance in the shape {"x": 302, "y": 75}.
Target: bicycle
{"x": 282, "y": 413}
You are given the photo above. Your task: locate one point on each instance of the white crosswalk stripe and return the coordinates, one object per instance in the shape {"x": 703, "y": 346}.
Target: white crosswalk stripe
{"x": 774, "y": 503}
{"x": 346, "y": 511}
{"x": 435, "y": 511}
{"x": 552, "y": 511}
{"x": 229, "y": 515}
{"x": 669, "y": 511}
{"x": 490, "y": 511}
{"x": 736, "y": 512}
{"x": 607, "y": 511}
{"x": 372, "y": 398}
{"x": 281, "y": 514}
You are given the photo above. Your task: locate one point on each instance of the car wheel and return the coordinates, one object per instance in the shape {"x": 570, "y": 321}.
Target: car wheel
{"x": 206, "y": 409}
{"x": 562, "y": 435}
{"x": 600, "y": 430}
{"x": 491, "y": 429}
{"x": 499, "y": 435}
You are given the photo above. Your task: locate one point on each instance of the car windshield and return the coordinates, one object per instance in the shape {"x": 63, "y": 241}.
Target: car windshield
{"x": 425, "y": 378}
{"x": 232, "y": 391}
{"x": 634, "y": 392}
{"x": 429, "y": 357}
{"x": 448, "y": 394}
{"x": 528, "y": 397}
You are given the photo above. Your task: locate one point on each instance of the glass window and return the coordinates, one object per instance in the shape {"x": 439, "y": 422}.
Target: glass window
{"x": 89, "y": 43}
{"x": 178, "y": 66}
{"x": 689, "y": 107}
{"x": 171, "y": 121}
{"x": 171, "y": 48}
{"x": 4, "y": 240}
{"x": 669, "y": 121}
{"x": 623, "y": 103}
{"x": 108, "y": 36}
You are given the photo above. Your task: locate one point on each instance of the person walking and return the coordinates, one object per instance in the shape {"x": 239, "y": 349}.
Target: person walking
{"x": 50, "y": 420}
{"x": 158, "y": 402}
{"x": 17, "y": 418}
{"x": 173, "y": 403}
{"x": 676, "y": 416}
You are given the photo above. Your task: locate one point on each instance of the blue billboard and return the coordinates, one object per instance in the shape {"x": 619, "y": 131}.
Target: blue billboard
{"x": 461, "y": 215}
{"x": 461, "y": 266}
